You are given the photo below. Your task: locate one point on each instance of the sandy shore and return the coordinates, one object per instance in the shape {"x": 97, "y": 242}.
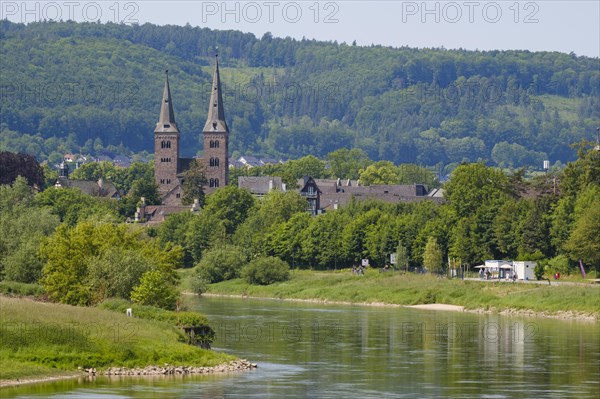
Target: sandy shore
{"x": 564, "y": 315}
{"x": 439, "y": 306}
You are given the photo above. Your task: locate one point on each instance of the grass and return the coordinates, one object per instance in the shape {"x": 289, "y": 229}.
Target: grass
{"x": 44, "y": 339}
{"x": 412, "y": 289}
{"x": 13, "y": 288}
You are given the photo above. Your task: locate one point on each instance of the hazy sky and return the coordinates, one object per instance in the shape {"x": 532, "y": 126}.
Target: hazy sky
{"x": 532, "y": 25}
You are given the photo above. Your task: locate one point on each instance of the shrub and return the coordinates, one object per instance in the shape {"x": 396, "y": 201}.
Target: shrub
{"x": 155, "y": 289}
{"x": 220, "y": 264}
{"x": 198, "y": 284}
{"x": 559, "y": 264}
{"x": 266, "y": 270}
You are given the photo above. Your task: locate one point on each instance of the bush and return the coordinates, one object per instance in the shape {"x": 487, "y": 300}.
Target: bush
{"x": 220, "y": 264}
{"x": 155, "y": 289}
{"x": 198, "y": 284}
{"x": 559, "y": 264}
{"x": 21, "y": 289}
{"x": 266, "y": 270}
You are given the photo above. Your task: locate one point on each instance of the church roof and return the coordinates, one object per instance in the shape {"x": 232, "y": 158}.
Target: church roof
{"x": 166, "y": 121}
{"x": 215, "y": 122}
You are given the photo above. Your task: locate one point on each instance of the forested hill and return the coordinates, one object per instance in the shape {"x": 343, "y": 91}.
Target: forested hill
{"x": 87, "y": 87}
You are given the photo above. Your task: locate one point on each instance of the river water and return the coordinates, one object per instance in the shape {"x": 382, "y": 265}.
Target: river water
{"x": 306, "y": 350}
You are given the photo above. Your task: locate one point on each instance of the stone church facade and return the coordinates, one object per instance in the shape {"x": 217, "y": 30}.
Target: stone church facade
{"x": 169, "y": 167}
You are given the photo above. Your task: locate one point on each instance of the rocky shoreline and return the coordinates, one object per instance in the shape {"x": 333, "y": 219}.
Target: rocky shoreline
{"x": 166, "y": 370}
{"x": 231, "y": 367}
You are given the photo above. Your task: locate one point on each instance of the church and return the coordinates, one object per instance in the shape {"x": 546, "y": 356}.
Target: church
{"x": 169, "y": 167}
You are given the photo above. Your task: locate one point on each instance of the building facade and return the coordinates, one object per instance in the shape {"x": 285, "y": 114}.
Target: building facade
{"x": 170, "y": 167}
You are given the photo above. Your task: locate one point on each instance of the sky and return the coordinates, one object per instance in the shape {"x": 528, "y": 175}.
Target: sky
{"x": 548, "y": 25}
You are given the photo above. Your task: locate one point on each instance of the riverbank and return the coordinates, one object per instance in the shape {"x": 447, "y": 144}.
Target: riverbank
{"x": 395, "y": 289}
{"x": 41, "y": 340}
{"x": 230, "y": 367}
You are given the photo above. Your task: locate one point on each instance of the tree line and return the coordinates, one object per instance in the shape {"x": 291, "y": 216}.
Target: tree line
{"x": 90, "y": 88}
{"x": 79, "y": 248}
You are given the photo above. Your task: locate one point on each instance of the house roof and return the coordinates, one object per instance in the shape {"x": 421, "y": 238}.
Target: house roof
{"x": 90, "y": 187}
{"x": 260, "y": 185}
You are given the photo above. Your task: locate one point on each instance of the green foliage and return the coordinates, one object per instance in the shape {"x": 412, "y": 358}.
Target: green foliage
{"x": 560, "y": 264}
{"x": 222, "y": 263}
{"x": 347, "y": 164}
{"x": 72, "y": 206}
{"x": 21, "y": 289}
{"x": 116, "y": 271}
{"x": 265, "y": 271}
{"x": 195, "y": 233}
{"x": 79, "y": 267}
{"x": 194, "y": 181}
{"x": 327, "y": 95}
{"x": 155, "y": 289}
{"x": 22, "y": 228}
{"x": 230, "y": 205}
{"x": 432, "y": 258}
{"x": 382, "y": 172}
{"x": 54, "y": 338}
{"x": 175, "y": 318}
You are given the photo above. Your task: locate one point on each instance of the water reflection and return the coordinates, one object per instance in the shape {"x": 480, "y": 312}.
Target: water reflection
{"x": 325, "y": 351}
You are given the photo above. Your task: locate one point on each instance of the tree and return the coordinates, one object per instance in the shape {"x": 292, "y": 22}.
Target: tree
{"x": 432, "y": 257}
{"x": 155, "y": 290}
{"x": 584, "y": 243}
{"x": 347, "y": 164}
{"x": 221, "y": 264}
{"x": 230, "y": 205}
{"x": 13, "y": 165}
{"x": 382, "y": 172}
{"x": 402, "y": 259}
{"x": 305, "y": 166}
{"x": 115, "y": 272}
{"x": 194, "y": 181}
{"x": 265, "y": 271}
{"x": 70, "y": 252}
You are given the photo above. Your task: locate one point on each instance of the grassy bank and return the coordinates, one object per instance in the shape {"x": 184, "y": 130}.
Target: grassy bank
{"x": 412, "y": 289}
{"x": 43, "y": 339}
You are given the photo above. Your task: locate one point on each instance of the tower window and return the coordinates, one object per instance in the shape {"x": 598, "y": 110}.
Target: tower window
{"x": 162, "y": 181}
{"x": 213, "y": 183}
{"x": 213, "y": 162}
{"x": 217, "y": 144}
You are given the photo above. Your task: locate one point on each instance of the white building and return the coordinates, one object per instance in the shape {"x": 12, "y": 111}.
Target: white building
{"x": 524, "y": 269}
{"x": 499, "y": 268}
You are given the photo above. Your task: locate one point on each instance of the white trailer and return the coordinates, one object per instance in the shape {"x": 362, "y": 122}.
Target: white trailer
{"x": 525, "y": 269}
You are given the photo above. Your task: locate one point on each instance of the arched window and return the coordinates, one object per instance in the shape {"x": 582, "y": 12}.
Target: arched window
{"x": 213, "y": 162}
{"x": 168, "y": 144}
{"x": 216, "y": 182}
{"x": 165, "y": 144}
{"x": 211, "y": 182}
{"x": 216, "y": 143}
{"x": 212, "y": 144}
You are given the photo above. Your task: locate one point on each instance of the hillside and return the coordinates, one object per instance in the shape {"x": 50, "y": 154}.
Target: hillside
{"x": 92, "y": 88}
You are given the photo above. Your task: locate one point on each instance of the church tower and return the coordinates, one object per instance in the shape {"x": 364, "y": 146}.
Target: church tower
{"x": 166, "y": 144}
{"x": 216, "y": 138}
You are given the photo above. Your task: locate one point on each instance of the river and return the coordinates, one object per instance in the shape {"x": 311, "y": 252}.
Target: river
{"x": 306, "y": 350}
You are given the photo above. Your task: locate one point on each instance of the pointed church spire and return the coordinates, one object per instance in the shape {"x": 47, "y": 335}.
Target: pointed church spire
{"x": 215, "y": 122}
{"x": 166, "y": 121}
